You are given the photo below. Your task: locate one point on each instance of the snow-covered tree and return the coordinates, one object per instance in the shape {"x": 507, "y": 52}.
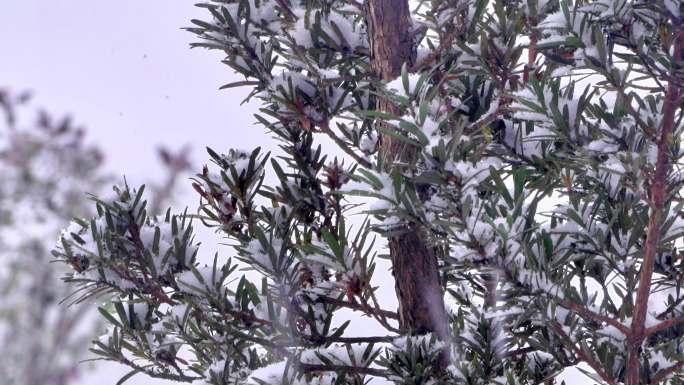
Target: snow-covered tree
{"x": 46, "y": 165}
{"x": 518, "y": 159}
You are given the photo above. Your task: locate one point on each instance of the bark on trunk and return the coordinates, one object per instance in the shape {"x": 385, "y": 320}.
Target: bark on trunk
{"x": 389, "y": 23}
{"x": 414, "y": 262}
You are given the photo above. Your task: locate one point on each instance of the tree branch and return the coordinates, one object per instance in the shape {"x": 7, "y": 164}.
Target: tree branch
{"x": 343, "y": 368}
{"x": 166, "y": 376}
{"x": 358, "y": 307}
{"x": 325, "y": 128}
{"x": 353, "y": 340}
{"x": 664, "y": 325}
{"x": 658, "y": 192}
{"x": 582, "y": 355}
{"x": 430, "y": 59}
{"x": 584, "y": 312}
{"x": 665, "y": 373}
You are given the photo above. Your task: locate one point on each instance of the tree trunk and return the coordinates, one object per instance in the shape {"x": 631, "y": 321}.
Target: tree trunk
{"x": 414, "y": 262}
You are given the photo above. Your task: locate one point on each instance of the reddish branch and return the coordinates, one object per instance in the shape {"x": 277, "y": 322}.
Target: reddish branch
{"x": 434, "y": 55}
{"x": 658, "y": 192}
{"x": 358, "y": 307}
{"x": 531, "y": 51}
{"x": 584, "y": 312}
{"x": 664, "y": 325}
{"x": 582, "y": 355}
{"x": 665, "y": 373}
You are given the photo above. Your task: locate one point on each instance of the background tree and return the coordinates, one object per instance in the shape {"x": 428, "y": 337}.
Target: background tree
{"x": 45, "y": 169}
{"x": 526, "y": 156}
{"x": 46, "y": 165}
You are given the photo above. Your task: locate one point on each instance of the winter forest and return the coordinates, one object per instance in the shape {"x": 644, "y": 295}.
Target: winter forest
{"x": 332, "y": 192}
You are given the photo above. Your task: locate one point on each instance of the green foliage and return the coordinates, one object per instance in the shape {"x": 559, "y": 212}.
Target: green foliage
{"x": 541, "y": 135}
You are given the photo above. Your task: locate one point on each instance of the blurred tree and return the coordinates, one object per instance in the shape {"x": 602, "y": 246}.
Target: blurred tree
{"x": 45, "y": 170}
{"x": 520, "y": 159}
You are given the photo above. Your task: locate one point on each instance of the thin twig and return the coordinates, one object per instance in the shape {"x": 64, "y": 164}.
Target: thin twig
{"x": 664, "y": 325}
{"x": 430, "y": 59}
{"x": 343, "y": 368}
{"x": 583, "y": 311}
{"x": 325, "y": 128}
{"x": 665, "y": 373}
{"x": 359, "y": 307}
{"x": 352, "y": 340}
{"x": 582, "y": 355}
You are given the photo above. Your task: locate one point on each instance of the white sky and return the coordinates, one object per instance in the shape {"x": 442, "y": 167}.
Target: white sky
{"x": 124, "y": 70}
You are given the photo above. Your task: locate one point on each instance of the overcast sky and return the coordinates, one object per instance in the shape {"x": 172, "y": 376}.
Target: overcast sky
{"x": 123, "y": 69}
